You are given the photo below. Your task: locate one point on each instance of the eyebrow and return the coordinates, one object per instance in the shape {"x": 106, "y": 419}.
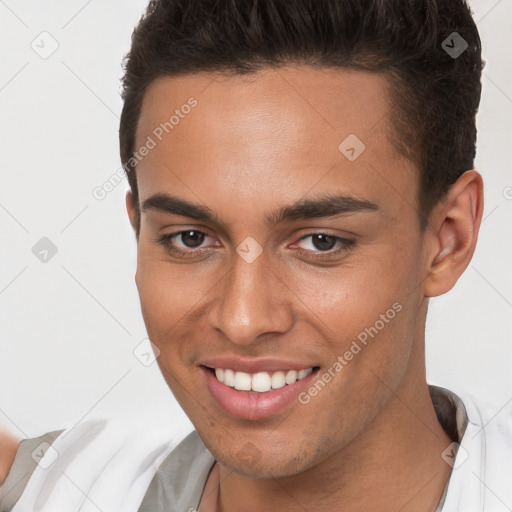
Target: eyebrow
{"x": 305, "y": 209}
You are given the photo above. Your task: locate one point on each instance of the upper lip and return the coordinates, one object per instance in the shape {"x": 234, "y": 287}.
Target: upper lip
{"x": 254, "y": 365}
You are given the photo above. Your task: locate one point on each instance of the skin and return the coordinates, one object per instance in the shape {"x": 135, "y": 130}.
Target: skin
{"x": 8, "y": 447}
{"x": 370, "y": 439}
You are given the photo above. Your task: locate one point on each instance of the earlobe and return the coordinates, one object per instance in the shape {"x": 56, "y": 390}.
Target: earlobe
{"x": 453, "y": 241}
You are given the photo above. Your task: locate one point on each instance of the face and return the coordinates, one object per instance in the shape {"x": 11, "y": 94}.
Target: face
{"x": 272, "y": 241}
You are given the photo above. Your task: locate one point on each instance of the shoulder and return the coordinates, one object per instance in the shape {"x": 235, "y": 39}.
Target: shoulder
{"x": 21, "y": 461}
{"x": 482, "y": 468}
{"x": 114, "y": 460}
{"x": 491, "y": 421}
{"x": 180, "y": 479}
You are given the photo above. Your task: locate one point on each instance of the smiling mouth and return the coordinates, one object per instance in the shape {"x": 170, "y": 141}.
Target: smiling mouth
{"x": 260, "y": 382}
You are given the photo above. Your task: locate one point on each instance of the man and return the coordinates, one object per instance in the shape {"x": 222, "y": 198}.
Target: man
{"x": 301, "y": 183}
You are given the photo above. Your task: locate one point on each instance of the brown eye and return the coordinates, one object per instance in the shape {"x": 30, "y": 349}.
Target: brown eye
{"x": 323, "y": 242}
{"x": 191, "y": 239}
{"x": 318, "y": 246}
{"x": 188, "y": 243}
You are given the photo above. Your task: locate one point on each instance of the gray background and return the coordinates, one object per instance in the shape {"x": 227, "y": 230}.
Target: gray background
{"x": 69, "y": 325}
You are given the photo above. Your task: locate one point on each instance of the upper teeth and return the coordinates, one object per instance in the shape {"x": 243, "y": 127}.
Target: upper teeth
{"x": 262, "y": 381}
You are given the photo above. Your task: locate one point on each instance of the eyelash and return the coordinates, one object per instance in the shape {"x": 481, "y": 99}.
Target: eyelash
{"x": 166, "y": 241}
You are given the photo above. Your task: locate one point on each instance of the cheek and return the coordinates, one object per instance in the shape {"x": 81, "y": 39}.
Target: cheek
{"x": 173, "y": 301}
{"x": 367, "y": 314}
{"x": 168, "y": 295}
{"x": 352, "y": 297}
{"x": 163, "y": 294}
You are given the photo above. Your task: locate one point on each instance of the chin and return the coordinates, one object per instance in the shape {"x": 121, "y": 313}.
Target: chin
{"x": 265, "y": 461}
{"x": 265, "y": 469}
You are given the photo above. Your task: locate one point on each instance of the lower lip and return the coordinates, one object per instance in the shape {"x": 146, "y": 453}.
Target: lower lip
{"x": 251, "y": 405}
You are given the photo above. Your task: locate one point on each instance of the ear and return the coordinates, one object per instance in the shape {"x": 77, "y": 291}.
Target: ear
{"x": 452, "y": 233}
{"x": 133, "y": 212}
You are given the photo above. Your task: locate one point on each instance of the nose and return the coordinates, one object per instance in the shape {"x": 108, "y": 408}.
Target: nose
{"x": 252, "y": 301}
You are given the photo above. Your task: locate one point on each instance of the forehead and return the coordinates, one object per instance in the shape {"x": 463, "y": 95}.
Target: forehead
{"x": 272, "y": 100}
{"x": 284, "y": 129}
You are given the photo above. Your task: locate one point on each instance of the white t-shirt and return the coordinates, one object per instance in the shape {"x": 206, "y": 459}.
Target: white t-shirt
{"x": 107, "y": 466}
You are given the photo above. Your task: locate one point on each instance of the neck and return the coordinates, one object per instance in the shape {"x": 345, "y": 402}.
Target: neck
{"x": 395, "y": 464}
